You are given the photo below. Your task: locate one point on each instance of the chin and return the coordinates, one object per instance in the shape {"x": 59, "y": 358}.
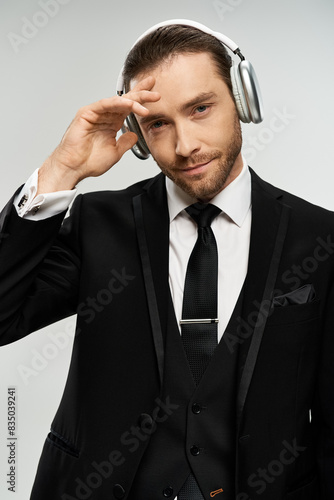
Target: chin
{"x": 204, "y": 189}
{"x": 200, "y": 192}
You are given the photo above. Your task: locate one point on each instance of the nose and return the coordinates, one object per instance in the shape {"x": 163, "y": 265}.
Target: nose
{"x": 186, "y": 143}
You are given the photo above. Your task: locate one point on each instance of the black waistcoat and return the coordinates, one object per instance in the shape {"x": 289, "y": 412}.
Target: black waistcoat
{"x": 198, "y": 433}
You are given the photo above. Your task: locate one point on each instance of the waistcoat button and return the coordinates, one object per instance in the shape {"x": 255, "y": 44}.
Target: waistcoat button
{"x": 194, "y": 450}
{"x": 196, "y": 408}
{"x": 119, "y": 491}
{"x": 244, "y": 439}
{"x": 168, "y": 492}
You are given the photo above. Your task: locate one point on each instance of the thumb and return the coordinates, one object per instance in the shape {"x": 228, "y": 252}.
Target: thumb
{"x": 125, "y": 142}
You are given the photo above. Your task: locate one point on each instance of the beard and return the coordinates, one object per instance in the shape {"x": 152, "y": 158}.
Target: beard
{"x": 206, "y": 186}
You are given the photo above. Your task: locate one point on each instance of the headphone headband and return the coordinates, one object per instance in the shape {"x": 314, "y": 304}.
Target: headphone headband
{"x": 182, "y": 22}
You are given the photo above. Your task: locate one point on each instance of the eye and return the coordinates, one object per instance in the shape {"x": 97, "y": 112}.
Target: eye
{"x": 202, "y": 108}
{"x": 156, "y": 125}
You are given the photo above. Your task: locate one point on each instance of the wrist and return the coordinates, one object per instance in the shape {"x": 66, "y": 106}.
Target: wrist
{"x": 54, "y": 177}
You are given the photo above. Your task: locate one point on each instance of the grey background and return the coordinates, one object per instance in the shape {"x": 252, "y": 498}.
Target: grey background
{"x": 73, "y": 59}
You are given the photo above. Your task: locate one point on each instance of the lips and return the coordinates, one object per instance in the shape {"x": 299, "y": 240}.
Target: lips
{"x": 197, "y": 169}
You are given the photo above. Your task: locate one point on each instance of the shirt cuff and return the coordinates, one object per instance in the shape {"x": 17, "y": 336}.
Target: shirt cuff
{"x": 42, "y": 206}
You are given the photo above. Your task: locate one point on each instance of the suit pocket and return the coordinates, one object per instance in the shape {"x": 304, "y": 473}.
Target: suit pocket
{"x": 292, "y": 329}
{"x": 309, "y": 491}
{"x": 63, "y": 444}
{"x": 294, "y": 314}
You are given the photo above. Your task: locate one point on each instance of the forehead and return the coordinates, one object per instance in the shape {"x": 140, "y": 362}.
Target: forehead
{"x": 182, "y": 76}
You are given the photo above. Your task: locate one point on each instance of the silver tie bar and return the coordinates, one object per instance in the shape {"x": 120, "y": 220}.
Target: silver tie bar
{"x": 191, "y": 321}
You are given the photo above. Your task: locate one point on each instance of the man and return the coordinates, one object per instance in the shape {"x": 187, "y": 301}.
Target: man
{"x": 136, "y": 420}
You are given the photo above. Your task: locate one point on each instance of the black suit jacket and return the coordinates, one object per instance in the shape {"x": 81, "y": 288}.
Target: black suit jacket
{"x": 109, "y": 264}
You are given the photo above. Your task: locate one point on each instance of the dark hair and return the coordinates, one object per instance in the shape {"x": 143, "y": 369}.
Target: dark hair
{"x": 172, "y": 40}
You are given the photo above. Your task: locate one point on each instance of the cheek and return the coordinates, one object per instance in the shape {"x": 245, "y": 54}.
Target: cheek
{"x": 161, "y": 147}
{"x": 161, "y": 154}
{"x": 224, "y": 132}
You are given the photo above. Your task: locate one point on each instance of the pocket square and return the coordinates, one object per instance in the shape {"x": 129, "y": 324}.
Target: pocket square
{"x": 302, "y": 295}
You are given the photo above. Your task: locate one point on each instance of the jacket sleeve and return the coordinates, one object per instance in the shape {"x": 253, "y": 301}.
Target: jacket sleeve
{"x": 324, "y": 417}
{"x": 39, "y": 271}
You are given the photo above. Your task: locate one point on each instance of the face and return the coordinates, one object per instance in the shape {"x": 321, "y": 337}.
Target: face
{"x": 193, "y": 131}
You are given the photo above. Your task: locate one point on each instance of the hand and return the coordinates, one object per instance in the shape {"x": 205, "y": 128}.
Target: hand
{"x": 89, "y": 146}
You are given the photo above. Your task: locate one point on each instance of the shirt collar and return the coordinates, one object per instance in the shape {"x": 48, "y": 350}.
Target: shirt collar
{"x": 234, "y": 200}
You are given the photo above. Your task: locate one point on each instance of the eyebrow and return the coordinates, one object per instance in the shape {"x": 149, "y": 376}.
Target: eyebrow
{"x": 203, "y": 96}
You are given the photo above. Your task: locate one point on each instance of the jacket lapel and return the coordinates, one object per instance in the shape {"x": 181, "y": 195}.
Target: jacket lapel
{"x": 152, "y": 226}
{"x": 269, "y": 225}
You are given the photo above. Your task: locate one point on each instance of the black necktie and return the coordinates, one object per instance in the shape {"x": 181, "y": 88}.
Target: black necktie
{"x": 199, "y": 313}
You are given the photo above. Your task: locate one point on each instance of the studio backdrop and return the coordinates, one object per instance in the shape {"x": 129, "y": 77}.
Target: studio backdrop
{"x": 58, "y": 55}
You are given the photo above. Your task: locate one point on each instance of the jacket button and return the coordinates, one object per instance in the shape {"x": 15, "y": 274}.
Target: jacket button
{"x": 196, "y": 408}
{"x": 146, "y": 422}
{"x": 194, "y": 450}
{"x": 119, "y": 491}
{"x": 168, "y": 492}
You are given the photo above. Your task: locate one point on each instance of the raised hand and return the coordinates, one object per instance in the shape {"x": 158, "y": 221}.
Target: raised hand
{"x": 89, "y": 147}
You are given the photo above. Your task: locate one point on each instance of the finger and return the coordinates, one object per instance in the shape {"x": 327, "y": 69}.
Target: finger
{"x": 107, "y": 109}
{"x": 109, "y": 112}
{"x": 146, "y": 83}
{"x": 134, "y": 102}
{"x": 143, "y": 96}
{"x": 125, "y": 142}
{"x": 142, "y": 91}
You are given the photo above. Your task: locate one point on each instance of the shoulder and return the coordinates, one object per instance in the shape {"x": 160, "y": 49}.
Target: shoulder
{"x": 299, "y": 207}
{"x": 116, "y": 200}
{"x": 122, "y": 194}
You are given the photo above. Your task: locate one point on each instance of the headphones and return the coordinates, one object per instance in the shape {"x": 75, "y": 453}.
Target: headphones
{"x": 246, "y": 90}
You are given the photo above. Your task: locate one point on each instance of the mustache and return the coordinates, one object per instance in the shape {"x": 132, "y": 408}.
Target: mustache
{"x": 195, "y": 160}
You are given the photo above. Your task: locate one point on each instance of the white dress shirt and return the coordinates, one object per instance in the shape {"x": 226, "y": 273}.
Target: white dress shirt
{"x": 231, "y": 229}
{"x": 232, "y": 232}
{"x": 33, "y": 207}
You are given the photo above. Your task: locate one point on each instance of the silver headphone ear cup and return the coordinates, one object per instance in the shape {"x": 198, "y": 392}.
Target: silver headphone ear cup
{"x": 238, "y": 94}
{"x": 251, "y": 90}
{"x": 140, "y": 149}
